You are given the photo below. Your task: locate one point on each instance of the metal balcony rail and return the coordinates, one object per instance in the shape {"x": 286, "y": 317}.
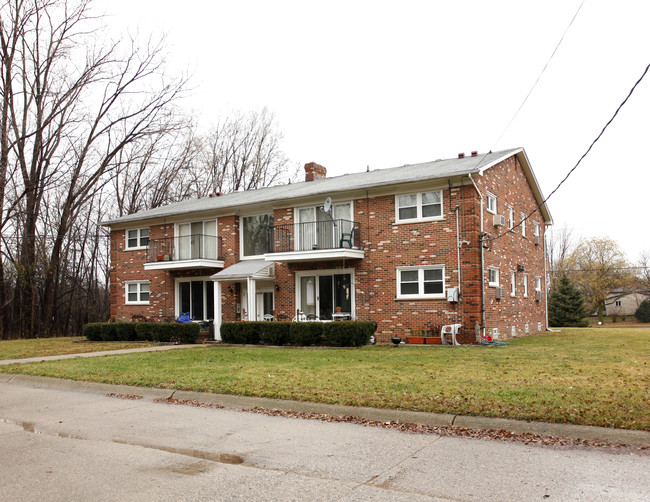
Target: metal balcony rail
{"x": 186, "y": 247}
{"x": 314, "y": 235}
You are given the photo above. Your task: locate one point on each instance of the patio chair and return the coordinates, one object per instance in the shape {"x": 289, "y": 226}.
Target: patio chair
{"x": 347, "y": 237}
{"x": 452, "y": 330}
{"x": 184, "y": 317}
{"x": 269, "y": 317}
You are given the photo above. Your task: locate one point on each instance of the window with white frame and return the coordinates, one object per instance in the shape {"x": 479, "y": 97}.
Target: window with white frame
{"x": 618, "y": 303}
{"x": 136, "y": 293}
{"x": 256, "y": 234}
{"x": 511, "y": 217}
{"x": 419, "y": 206}
{"x": 137, "y": 238}
{"x": 321, "y": 293}
{"x": 513, "y": 283}
{"x": 538, "y": 283}
{"x": 525, "y": 285}
{"x": 197, "y": 240}
{"x": 317, "y": 229}
{"x": 536, "y": 228}
{"x": 421, "y": 282}
{"x": 493, "y": 277}
{"x": 196, "y": 296}
{"x": 491, "y": 203}
{"x": 523, "y": 224}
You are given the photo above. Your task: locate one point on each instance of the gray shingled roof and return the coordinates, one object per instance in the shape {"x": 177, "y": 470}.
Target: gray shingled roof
{"x": 439, "y": 169}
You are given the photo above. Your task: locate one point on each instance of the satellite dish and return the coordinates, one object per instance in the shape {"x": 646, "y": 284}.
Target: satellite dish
{"x": 327, "y": 207}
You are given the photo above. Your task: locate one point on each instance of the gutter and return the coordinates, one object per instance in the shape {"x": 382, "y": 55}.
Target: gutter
{"x": 480, "y": 243}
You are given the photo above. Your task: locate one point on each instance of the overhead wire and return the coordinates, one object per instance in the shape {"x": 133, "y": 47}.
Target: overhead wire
{"x": 582, "y": 157}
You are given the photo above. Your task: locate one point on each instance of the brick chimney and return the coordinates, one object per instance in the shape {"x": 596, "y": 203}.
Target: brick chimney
{"x": 314, "y": 171}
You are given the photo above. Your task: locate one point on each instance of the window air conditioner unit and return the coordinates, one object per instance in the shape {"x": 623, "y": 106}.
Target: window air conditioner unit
{"x": 538, "y": 296}
{"x": 500, "y": 293}
{"x": 538, "y": 240}
{"x": 499, "y": 220}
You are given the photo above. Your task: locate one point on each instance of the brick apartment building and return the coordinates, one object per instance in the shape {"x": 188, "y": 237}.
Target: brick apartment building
{"x": 411, "y": 247}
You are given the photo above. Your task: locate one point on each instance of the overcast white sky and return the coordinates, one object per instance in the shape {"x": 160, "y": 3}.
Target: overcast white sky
{"x": 382, "y": 84}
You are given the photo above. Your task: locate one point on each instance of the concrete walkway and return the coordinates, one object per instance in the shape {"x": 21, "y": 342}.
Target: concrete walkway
{"x": 157, "y": 348}
{"x": 579, "y": 432}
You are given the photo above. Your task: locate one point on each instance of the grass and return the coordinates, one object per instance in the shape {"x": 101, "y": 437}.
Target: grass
{"x": 41, "y": 347}
{"x": 580, "y": 376}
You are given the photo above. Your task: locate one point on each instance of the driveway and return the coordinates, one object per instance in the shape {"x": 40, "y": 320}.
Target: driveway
{"x": 61, "y": 444}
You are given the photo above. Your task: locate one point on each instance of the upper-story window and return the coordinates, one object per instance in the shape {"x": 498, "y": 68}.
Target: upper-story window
{"x": 513, "y": 283}
{"x": 317, "y": 229}
{"x": 525, "y": 285}
{"x": 256, "y": 234}
{"x": 538, "y": 283}
{"x": 197, "y": 240}
{"x": 137, "y": 238}
{"x": 419, "y": 206}
{"x": 523, "y": 224}
{"x": 536, "y": 228}
{"x": 421, "y": 282}
{"x": 511, "y": 218}
{"x": 491, "y": 203}
{"x": 493, "y": 277}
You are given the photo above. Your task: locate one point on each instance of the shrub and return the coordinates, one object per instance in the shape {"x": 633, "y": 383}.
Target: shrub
{"x": 643, "y": 311}
{"x": 167, "y": 331}
{"x": 305, "y": 334}
{"x": 348, "y": 333}
{"x": 241, "y": 332}
{"x": 275, "y": 333}
{"x": 93, "y": 331}
{"x": 152, "y": 331}
{"x": 335, "y": 334}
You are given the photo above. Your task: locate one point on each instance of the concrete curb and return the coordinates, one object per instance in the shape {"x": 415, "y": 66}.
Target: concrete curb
{"x": 579, "y": 432}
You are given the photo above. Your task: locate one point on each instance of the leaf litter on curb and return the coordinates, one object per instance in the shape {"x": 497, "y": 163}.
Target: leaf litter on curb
{"x": 527, "y": 438}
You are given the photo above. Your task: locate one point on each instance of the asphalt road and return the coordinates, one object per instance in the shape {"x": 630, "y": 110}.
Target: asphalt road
{"x": 60, "y": 444}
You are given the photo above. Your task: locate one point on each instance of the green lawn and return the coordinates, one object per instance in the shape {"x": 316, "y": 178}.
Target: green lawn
{"x": 581, "y": 376}
{"x": 41, "y": 347}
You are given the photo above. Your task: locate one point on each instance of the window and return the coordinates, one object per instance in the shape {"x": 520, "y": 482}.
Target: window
{"x": 525, "y": 285}
{"x": 511, "y": 218}
{"x": 137, "y": 238}
{"x": 317, "y": 230}
{"x": 491, "y": 203}
{"x": 320, "y": 293}
{"x": 493, "y": 277}
{"x": 421, "y": 282}
{"x": 419, "y": 206}
{"x": 618, "y": 303}
{"x": 523, "y": 224}
{"x": 538, "y": 283}
{"x": 137, "y": 293}
{"x": 196, "y": 296}
{"x": 513, "y": 283}
{"x": 257, "y": 234}
{"x": 197, "y": 240}
{"x": 536, "y": 228}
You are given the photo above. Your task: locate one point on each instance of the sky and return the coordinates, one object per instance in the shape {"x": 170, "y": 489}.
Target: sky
{"x": 354, "y": 84}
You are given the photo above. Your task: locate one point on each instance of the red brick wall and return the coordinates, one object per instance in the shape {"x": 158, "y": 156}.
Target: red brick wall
{"x": 387, "y": 246}
{"x": 510, "y": 249}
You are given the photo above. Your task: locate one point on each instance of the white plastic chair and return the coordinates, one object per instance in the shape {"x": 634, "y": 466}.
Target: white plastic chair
{"x": 450, "y": 329}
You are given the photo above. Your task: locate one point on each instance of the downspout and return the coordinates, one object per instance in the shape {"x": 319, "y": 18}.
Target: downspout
{"x": 548, "y": 328}
{"x": 458, "y": 246}
{"x": 480, "y": 243}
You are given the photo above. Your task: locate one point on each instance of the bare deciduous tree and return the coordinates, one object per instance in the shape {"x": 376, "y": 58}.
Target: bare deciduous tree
{"x": 70, "y": 107}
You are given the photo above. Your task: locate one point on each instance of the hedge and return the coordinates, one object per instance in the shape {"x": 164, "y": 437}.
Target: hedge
{"x": 334, "y": 334}
{"x": 146, "y": 331}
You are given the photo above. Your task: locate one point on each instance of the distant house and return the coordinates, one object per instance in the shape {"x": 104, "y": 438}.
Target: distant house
{"x": 624, "y": 302}
{"x": 417, "y": 246}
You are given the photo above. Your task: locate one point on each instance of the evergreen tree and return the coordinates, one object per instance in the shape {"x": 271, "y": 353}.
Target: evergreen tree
{"x": 566, "y": 305}
{"x": 643, "y": 311}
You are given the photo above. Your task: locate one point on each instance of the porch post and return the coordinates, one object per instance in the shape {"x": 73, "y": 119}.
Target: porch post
{"x": 252, "y": 299}
{"x": 217, "y": 310}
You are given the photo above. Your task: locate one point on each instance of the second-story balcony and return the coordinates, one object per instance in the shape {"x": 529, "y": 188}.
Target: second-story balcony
{"x": 184, "y": 252}
{"x": 315, "y": 241}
